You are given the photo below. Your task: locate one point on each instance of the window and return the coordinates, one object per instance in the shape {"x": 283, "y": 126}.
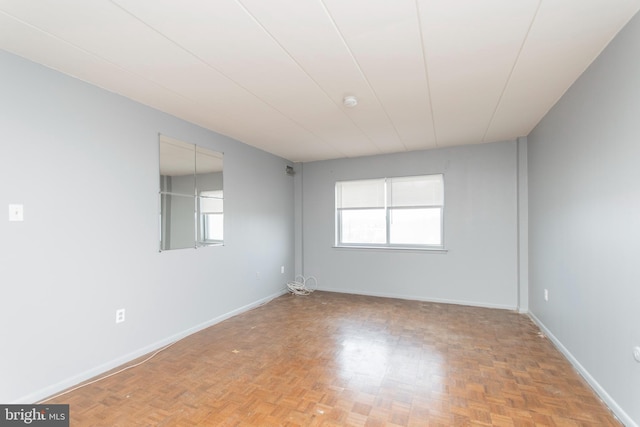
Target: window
{"x": 403, "y": 212}
{"x": 211, "y": 217}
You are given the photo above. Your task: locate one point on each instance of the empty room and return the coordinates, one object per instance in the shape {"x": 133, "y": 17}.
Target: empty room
{"x": 320, "y": 213}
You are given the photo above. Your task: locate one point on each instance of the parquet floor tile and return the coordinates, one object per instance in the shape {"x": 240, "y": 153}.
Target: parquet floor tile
{"x": 345, "y": 360}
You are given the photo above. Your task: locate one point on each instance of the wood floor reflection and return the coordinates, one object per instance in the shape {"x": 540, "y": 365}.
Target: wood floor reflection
{"x": 344, "y": 360}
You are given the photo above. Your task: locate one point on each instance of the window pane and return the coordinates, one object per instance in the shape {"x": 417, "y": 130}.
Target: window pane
{"x": 416, "y": 226}
{"x": 425, "y": 190}
{"x": 363, "y": 226}
{"x": 213, "y": 227}
{"x": 360, "y": 194}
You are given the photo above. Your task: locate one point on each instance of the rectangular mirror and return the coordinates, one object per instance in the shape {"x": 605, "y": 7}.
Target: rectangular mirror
{"x": 191, "y": 195}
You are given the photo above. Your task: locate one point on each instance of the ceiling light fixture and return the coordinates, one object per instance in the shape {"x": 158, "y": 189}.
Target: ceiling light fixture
{"x": 350, "y": 101}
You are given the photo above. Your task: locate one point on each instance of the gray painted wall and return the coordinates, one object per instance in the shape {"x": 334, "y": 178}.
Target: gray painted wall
{"x": 481, "y": 229}
{"x": 584, "y": 217}
{"x": 84, "y": 162}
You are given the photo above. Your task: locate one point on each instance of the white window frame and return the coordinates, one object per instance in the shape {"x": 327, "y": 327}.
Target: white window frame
{"x": 388, "y": 213}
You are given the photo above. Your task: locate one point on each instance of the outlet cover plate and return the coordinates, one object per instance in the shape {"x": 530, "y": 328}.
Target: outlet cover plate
{"x": 120, "y": 315}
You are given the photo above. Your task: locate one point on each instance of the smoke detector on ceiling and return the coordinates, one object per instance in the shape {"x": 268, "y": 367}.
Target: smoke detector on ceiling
{"x": 350, "y": 101}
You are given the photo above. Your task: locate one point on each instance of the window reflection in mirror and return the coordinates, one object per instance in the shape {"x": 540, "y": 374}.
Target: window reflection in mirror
{"x": 210, "y": 213}
{"x": 191, "y": 195}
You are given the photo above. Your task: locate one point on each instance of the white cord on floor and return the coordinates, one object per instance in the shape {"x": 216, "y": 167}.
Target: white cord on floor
{"x": 110, "y": 375}
{"x": 300, "y": 286}
{"x": 125, "y": 368}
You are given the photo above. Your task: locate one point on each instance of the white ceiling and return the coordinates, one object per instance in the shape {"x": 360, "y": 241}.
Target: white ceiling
{"x": 273, "y": 74}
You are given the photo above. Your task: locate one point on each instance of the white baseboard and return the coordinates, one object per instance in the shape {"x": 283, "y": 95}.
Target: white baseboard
{"x": 54, "y": 389}
{"x": 600, "y": 391}
{"x": 417, "y": 298}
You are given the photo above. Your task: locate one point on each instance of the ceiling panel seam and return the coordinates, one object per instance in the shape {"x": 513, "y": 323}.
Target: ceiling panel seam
{"x": 114, "y": 65}
{"x": 207, "y": 64}
{"x": 587, "y": 64}
{"x": 426, "y": 72}
{"x": 291, "y": 57}
{"x": 286, "y": 51}
{"x": 361, "y": 71}
{"x": 274, "y": 74}
{"x": 96, "y": 56}
{"x": 513, "y": 67}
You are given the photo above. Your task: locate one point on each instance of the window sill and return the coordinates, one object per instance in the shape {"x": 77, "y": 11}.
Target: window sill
{"x": 394, "y": 249}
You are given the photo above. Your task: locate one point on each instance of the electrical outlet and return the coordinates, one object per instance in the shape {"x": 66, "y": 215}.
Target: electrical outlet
{"x": 636, "y": 353}
{"x": 546, "y": 294}
{"x": 120, "y": 315}
{"x": 257, "y": 274}
{"x": 282, "y": 269}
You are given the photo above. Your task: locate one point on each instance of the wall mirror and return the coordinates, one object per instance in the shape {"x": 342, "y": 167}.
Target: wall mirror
{"x": 191, "y": 195}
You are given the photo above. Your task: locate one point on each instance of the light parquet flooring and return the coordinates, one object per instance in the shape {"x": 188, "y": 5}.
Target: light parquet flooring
{"x": 332, "y": 359}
